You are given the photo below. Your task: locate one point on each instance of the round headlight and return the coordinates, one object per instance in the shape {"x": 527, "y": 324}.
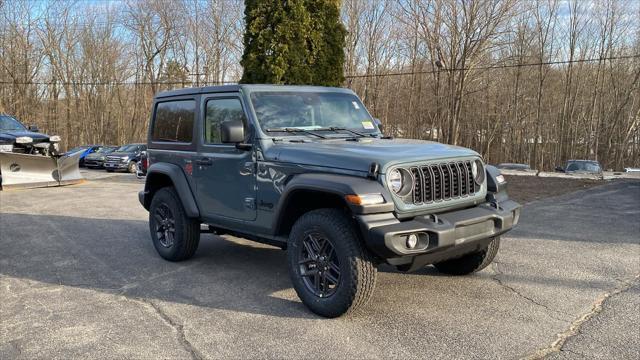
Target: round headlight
{"x": 400, "y": 181}
{"x": 477, "y": 170}
{"x": 395, "y": 181}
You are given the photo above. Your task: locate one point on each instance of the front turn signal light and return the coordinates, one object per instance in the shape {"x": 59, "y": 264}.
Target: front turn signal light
{"x": 366, "y": 199}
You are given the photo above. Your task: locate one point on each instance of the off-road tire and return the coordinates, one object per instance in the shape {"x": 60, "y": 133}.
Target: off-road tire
{"x": 132, "y": 167}
{"x": 472, "y": 262}
{"x": 187, "y": 230}
{"x": 357, "y": 270}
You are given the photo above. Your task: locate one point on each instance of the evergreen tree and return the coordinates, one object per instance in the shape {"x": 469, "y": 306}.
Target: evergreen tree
{"x": 293, "y": 42}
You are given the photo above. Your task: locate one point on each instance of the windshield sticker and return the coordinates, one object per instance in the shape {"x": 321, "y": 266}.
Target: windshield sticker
{"x": 355, "y": 105}
{"x": 368, "y": 125}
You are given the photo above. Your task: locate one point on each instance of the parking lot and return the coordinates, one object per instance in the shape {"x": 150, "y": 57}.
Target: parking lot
{"x": 80, "y": 277}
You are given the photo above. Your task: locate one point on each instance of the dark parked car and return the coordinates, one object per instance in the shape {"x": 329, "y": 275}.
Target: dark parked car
{"x": 513, "y": 166}
{"x": 86, "y": 150}
{"x": 96, "y": 159}
{"x": 307, "y": 169}
{"x": 17, "y": 138}
{"x": 125, "y": 158}
{"x": 581, "y": 167}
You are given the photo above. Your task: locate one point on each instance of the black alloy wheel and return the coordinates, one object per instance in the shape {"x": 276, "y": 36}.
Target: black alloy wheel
{"x": 319, "y": 265}
{"x": 165, "y": 225}
{"x": 175, "y": 235}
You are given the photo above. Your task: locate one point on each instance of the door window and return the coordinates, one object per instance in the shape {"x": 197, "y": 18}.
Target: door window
{"x": 218, "y": 112}
{"x": 174, "y": 121}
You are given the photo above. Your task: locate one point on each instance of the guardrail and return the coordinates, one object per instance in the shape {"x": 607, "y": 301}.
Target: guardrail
{"x": 606, "y": 175}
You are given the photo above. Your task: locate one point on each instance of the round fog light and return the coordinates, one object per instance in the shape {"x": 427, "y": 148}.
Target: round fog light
{"x": 412, "y": 241}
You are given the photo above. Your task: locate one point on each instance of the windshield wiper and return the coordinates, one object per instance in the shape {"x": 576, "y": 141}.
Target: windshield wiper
{"x": 295, "y": 130}
{"x": 334, "y": 128}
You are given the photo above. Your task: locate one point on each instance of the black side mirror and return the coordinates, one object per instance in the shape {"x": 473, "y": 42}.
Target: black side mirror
{"x": 232, "y": 132}
{"x": 33, "y": 128}
{"x": 559, "y": 169}
{"x": 379, "y": 124}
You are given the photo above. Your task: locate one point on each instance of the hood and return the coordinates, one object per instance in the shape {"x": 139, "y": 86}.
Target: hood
{"x": 358, "y": 155}
{"x": 95, "y": 155}
{"x": 11, "y": 135}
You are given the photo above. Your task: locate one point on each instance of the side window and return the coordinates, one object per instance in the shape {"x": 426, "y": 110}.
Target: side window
{"x": 174, "y": 121}
{"x": 219, "y": 111}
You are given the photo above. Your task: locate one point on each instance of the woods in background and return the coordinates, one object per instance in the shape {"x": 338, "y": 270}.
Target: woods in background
{"x": 526, "y": 81}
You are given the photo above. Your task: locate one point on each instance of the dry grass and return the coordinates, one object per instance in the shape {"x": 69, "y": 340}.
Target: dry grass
{"x": 524, "y": 189}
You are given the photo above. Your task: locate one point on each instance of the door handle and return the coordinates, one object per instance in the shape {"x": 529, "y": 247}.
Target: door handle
{"x": 204, "y": 162}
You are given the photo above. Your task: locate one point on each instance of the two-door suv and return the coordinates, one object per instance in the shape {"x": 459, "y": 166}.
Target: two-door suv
{"x": 308, "y": 169}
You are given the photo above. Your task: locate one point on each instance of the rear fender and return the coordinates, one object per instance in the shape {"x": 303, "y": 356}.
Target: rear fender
{"x": 155, "y": 180}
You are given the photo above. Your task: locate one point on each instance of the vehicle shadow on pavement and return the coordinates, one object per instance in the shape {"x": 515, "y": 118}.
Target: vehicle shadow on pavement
{"x": 118, "y": 257}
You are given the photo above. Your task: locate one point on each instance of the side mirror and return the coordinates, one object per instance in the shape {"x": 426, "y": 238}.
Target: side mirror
{"x": 232, "y": 132}
{"x": 559, "y": 169}
{"x": 33, "y": 128}
{"x": 379, "y": 124}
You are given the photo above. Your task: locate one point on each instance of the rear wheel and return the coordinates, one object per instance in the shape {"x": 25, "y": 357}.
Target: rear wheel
{"x": 331, "y": 271}
{"x": 175, "y": 236}
{"x": 472, "y": 262}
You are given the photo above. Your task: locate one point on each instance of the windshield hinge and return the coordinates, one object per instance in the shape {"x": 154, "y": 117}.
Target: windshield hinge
{"x": 374, "y": 169}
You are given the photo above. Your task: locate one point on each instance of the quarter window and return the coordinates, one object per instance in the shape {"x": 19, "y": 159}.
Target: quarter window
{"x": 174, "y": 121}
{"x": 218, "y": 112}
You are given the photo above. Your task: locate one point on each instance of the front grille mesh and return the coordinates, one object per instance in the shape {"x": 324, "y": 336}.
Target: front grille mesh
{"x": 115, "y": 159}
{"x": 439, "y": 182}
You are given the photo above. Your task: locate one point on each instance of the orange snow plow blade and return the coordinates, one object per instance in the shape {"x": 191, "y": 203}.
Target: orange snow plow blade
{"x": 23, "y": 171}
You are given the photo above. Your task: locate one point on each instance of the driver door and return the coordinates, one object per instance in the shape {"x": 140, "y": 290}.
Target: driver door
{"x": 225, "y": 175}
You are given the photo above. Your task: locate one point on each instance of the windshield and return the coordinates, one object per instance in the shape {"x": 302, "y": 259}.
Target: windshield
{"x": 583, "y": 166}
{"x": 9, "y": 123}
{"x": 308, "y": 111}
{"x": 128, "y": 148}
{"x": 106, "y": 150}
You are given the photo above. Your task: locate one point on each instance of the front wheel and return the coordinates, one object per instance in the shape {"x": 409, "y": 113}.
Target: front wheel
{"x": 175, "y": 236}
{"x": 132, "y": 167}
{"x": 330, "y": 269}
{"x": 472, "y": 262}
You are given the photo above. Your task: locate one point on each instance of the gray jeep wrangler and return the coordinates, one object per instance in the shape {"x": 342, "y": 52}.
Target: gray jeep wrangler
{"x": 307, "y": 169}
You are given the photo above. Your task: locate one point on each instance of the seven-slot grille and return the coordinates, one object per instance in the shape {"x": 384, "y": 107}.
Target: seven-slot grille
{"x": 438, "y": 182}
{"x": 115, "y": 159}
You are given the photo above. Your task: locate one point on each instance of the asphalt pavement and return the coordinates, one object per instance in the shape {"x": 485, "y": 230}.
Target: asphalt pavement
{"x": 79, "y": 277}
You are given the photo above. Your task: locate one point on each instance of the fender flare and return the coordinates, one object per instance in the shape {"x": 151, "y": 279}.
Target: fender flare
{"x": 334, "y": 184}
{"x": 180, "y": 184}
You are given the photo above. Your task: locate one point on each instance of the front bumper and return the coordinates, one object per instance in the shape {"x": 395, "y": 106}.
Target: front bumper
{"x": 93, "y": 163}
{"x": 441, "y": 237}
{"x": 116, "y": 165}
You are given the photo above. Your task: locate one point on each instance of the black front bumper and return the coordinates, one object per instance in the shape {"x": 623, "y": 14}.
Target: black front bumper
{"x": 116, "y": 165}
{"x": 92, "y": 163}
{"x": 441, "y": 237}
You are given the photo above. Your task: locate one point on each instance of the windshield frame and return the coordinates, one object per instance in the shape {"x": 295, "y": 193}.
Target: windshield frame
{"x": 22, "y": 127}
{"x": 334, "y": 134}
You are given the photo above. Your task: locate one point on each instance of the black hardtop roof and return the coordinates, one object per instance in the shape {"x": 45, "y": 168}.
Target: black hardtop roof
{"x": 250, "y": 87}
